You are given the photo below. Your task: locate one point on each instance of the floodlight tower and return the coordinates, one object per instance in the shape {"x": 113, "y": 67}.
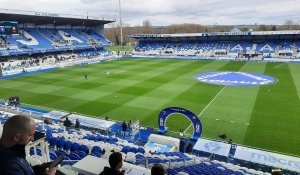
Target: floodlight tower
{"x": 120, "y": 14}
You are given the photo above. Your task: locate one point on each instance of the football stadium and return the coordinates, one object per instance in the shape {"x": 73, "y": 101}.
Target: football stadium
{"x": 195, "y": 103}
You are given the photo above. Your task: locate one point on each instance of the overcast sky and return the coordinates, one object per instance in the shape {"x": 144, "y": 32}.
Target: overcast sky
{"x": 166, "y": 12}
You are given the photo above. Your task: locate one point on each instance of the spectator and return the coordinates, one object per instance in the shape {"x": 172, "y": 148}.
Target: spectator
{"x": 230, "y": 141}
{"x": 157, "y": 169}
{"x": 5, "y": 103}
{"x": 17, "y": 100}
{"x": 129, "y": 126}
{"x": 189, "y": 147}
{"x": 124, "y": 127}
{"x": 67, "y": 123}
{"x": 77, "y": 124}
{"x": 48, "y": 121}
{"x": 276, "y": 171}
{"x": 18, "y": 131}
{"x": 11, "y": 101}
{"x": 115, "y": 162}
{"x": 181, "y": 145}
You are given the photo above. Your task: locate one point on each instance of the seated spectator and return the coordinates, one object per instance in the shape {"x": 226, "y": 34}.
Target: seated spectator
{"x": 157, "y": 169}
{"x": 115, "y": 162}
{"x": 67, "y": 123}
{"x": 48, "y": 121}
{"x": 18, "y": 131}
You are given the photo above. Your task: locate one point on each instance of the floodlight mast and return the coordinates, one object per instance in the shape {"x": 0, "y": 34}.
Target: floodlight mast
{"x": 121, "y": 27}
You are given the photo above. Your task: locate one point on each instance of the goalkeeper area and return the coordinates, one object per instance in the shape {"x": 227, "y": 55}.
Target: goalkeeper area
{"x": 264, "y": 116}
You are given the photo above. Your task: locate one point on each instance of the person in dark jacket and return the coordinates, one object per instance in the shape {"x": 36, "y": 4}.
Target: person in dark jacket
{"x": 115, "y": 162}
{"x": 189, "y": 147}
{"x": 77, "y": 124}
{"x": 181, "y": 146}
{"x": 124, "y": 127}
{"x": 18, "y": 131}
{"x": 67, "y": 123}
{"x": 129, "y": 125}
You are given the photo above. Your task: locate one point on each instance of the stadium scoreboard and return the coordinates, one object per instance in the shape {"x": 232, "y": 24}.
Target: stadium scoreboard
{"x": 9, "y": 28}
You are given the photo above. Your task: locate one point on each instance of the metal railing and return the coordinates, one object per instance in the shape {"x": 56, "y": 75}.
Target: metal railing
{"x": 18, "y": 110}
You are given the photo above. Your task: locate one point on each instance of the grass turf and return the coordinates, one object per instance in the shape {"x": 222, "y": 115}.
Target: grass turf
{"x": 141, "y": 88}
{"x": 118, "y": 48}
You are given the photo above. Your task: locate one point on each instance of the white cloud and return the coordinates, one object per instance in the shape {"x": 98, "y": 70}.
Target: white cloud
{"x": 166, "y": 12}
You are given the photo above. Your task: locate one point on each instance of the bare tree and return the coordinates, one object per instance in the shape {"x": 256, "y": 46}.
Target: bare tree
{"x": 289, "y": 25}
{"x": 185, "y": 28}
{"x": 147, "y": 27}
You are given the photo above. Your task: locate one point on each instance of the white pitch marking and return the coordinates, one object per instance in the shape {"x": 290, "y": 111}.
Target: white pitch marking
{"x": 212, "y": 100}
{"x": 278, "y": 65}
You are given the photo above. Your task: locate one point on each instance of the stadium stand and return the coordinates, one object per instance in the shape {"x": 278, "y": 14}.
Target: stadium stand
{"x": 254, "y": 45}
{"x": 87, "y": 44}
{"x": 46, "y": 37}
{"x": 77, "y": 145}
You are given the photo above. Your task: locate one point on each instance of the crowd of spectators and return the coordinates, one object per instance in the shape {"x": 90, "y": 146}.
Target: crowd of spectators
{"x": 12, "y": 101}
{"x": 23, "y": 62}
{"x": 63, "y": 58}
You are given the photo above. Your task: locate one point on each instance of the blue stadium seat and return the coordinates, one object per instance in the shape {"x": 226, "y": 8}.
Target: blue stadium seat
{"x": 75, "y": 147}
{"x": 67, "y": 145}
{"x": 53, "y": 142}
{"x": 84, "y": 148}
{"x": 126, "y": 149}
{"x": 96, "y": 149}
{"x": 96, "y": 154}
{"x": 60, "y": 143}
{"x": 141, "y": 150}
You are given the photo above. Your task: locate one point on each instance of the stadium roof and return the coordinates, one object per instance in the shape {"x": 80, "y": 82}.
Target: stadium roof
{"x": 40, "y": 18}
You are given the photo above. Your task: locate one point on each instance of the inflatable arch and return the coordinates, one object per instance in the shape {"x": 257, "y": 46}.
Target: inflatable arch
{"x": 165, "y": 113}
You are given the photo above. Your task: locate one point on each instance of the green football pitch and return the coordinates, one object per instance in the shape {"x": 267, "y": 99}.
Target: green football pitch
{"x": 141, "y": 88}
